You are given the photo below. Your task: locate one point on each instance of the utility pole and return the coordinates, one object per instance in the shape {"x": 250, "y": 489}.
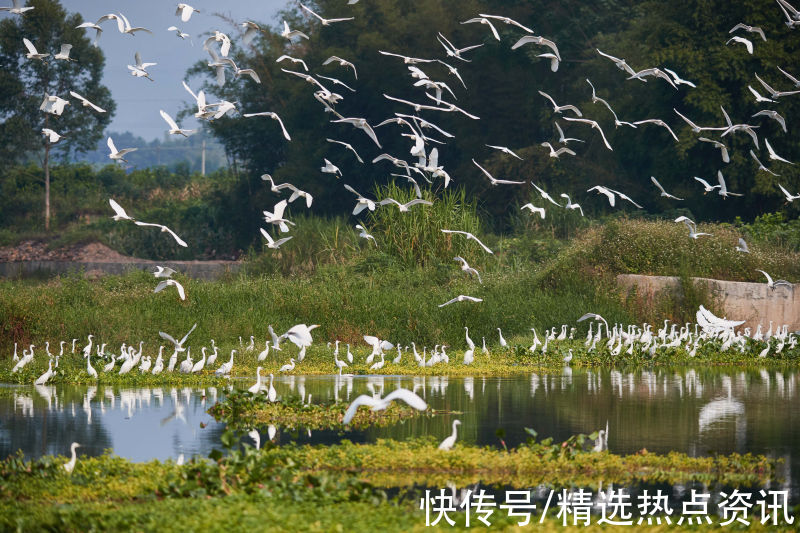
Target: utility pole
{"x": 203, "y": 159}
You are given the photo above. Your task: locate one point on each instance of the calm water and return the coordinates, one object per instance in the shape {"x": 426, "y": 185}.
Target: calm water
{"x": 696, "y": 411}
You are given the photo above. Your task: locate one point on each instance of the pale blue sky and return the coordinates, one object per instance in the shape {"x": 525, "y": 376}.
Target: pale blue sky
{"x": 139, "y": 100}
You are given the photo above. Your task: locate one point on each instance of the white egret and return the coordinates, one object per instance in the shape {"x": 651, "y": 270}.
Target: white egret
{"x": 774, "y": 115}
{"x": 171, "y": 282}
{"x": 178, "y": 344}
{"x": 535, "y": 39}
{"x": 324, "y": 21}
{"x": 723, "y": 189}
{"x": 271, "y": 243}
{"x": 657, "y": 122}
{"x": 185, "y": 11}
{"x": 556, "y": 153}
{"x": 505, "y": 150}
{"x": 469, "y": 235}
{"x": 273, "y": 116}
{"x": 330, "y": 168}
{"x": 288, "y": 34}
{"x": 494, "y": 181}
{"x": 225, "y": 368}
{"x": 742, "y": 246}
{"x": 447, "y": 444}
{"x": 276, "y": 216}
{"x": 594, "y": 125}
{"x": 32, "y": 52}
{"x": 41, "y": 380}
{"x": 773, "y": 155}
{"x": 461, "y": 298}
{"x": 485, "y": 21}
{"x": 707, "y": 187}
{"x": 559, "y": 108}
{"x": 758, "y": 97}
{"x": 664, "y": 193}
{"x": 772, "y": 285}
{"x": 656, "y": 72}
{"x": 452, "y": 51}
{"x": 533, "y": 209}
{"x": 693, "y": 234}
{"x": 118, "y": 155}
{"x": 86, "y": 103}
{"x": 173, "y": 126}
{"x": 678, "y": 80}
{"x": 255, "y": 389}
{"x": 17, "y": 7}
{"x": 789, "y": 196}
{"x": 69, "y": 466}
{"x": 163, "y": 272}
{"x": 287, "y": 367}
{"x": 565, "y": 140}
{"x": 63, "y": 54}
{"x": 300, "y": 334}
{"x": 363, "y": 203}
{"x": 570, "y": 205}
{"x": 178, "y": 32}
{"x": 773, "y": 92}
{"x": 379, "y": 404}
{"x": 53, "y": 104}
{"x": 723, "y": 149}
{"x": 466, "y": 268}
{"x": 52, "y": 136}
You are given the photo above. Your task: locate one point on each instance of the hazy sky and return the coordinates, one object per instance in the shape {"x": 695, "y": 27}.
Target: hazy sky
{"x": 138, "y": 99}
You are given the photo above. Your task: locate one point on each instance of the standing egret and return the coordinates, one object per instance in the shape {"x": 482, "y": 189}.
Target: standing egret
{"x": 447, "y": 444}
{"x": 256, "y": 388}
{"x": 70, "y": 465}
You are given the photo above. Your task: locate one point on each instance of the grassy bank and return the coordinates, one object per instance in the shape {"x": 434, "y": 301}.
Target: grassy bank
{"x": 324, "y": 488}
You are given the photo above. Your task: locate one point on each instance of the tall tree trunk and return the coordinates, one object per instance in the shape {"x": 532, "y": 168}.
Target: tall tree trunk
{"x": 47, "y": 185}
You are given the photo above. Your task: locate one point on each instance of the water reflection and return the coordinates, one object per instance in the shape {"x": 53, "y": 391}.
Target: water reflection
{"x": 696, "y": 411}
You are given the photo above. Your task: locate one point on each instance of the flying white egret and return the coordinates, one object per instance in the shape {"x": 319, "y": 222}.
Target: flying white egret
{"x": 495, "y": 181}
{"x": 746, "y": 42}
{"x": 706, "y": 185}
{"x": 773, "y": 92}
{"x": 166, "y": 283}
{"x": 594, "y": 125}
{"x": 723, "y": 189}
{"x": 32, "y": 52}
{"x": 300, "y": 334}
{"x": 288, "y": 34}
{"x": 620, "y": 63}
{"x": 789, "y": 196}
{"x": 178, "y": 344}
{"x": 469, "y": 235}
{"x": 556, "y": 153}
{"x": 91, "y": 25}
{"x": 379, "y": 404}
{"x": 363, "y": 203}
{"x": 742, "y": 246}
{"x": 461, "y": 298}
{"x": 774, "y": 115}
{"x": 404, "y": 208}
{"x": 293, "y": 60}
{"x": 571, "y": 205}
{"x": 330, "y": 168}
{"x": 17, "y": 7}
{"x": 324, "y": 21}
{"x": 365, "y": 235}
{"x": 535, "y": 39}
{"x": 178, "y": 32}
{"x": 678, "y": 80}
{"x": 164, "y": 229}
{"x": 271, "y": 243}
{"x": 761, "y": 165}
{"x": 758, "y": 97}
{"x": 276, "y": 216}
{"x": 63, "y": 54}
{"x": 118, "y": 155}
{"x": 656, "y": 72}
{"x": 69, "y": 466}
{"x": 52, "y": 136}
{"x": 348, "y": 146}
{"x": 664, "y": 193}
{"x": 452, "y": 51}
{"x": 485, "y": 21}
{"x": 468, "y": 269}
{"x": 508, "y": 21}
{"x": 773, "y": 155}
{"x": 505, "y": 150}
{"x": 163, "y": 272}
{"x": 695, "y": 127}
{"x": 86, "y": 103}
{"x": 559, "y": 108}
{"x": 657, "y": 122}
{"x": 341, "y": 62}
{"x": 53, "y": 104}
{"x": 185, "y": 11}
{"x": 139, "y": 70}
{"x": 723, "y": 149}
{"x": 751, "y": 29}
{"x": 361, "y": 124}
{"x": 562, "y": 139}
{"x": 777, "y": 283}
{"x": 534, "y": 210}
{"x": 173, "y": 126}
{"x": 693, "y": 234}
{"x": 447, "y": 444}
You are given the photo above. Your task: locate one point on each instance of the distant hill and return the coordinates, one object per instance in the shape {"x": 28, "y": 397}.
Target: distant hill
{"x": 167, "y": 152}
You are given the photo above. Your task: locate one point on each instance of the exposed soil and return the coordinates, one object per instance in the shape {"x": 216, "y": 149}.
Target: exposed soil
{"x": 38, "y": 251}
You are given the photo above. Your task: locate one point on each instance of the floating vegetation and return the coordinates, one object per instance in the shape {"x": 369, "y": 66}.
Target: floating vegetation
{"x": 242, "y": 409}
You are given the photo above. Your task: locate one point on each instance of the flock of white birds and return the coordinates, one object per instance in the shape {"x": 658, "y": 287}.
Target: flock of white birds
{"x": 423, "y": 134}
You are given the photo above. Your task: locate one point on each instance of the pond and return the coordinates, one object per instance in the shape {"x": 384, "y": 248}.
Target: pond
{"x": 695, "y": 411}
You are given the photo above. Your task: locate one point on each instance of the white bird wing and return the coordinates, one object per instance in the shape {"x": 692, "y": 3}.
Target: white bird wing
{"x": 168, "y": 337}
{"x": 602, "y": 190}
{"x": 769, "y": 278}
{"x": 449, "y": 302}
{"x": 175, "y": 236}
{"x": 283, "y": 128}
{"x": 111, "y": 146}
{"x": 266, "y": 236}
{"x": 118, "y": 209}
{"x": 657, "y": 184}
{"x": 29, "y": 46}
{"x": 407, "y": 396}
{"x": 474, "y": 238}
{"x": 352, "y": 190}
{"x": 169, "y": 120}
{"x": 358, "y": 402}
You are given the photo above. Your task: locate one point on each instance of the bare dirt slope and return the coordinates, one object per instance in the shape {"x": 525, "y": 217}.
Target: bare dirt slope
{"x": 86, "y": 252}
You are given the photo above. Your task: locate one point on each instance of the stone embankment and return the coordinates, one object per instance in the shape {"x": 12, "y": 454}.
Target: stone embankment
{"x": 755, "y": 303}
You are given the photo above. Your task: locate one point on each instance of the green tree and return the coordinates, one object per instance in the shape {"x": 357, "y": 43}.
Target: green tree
{"x": 24, "y": 83}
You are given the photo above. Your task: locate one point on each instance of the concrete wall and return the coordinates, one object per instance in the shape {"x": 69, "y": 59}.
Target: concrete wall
{"x": 207, "y": 270}
{"x": 753, "y": 302}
